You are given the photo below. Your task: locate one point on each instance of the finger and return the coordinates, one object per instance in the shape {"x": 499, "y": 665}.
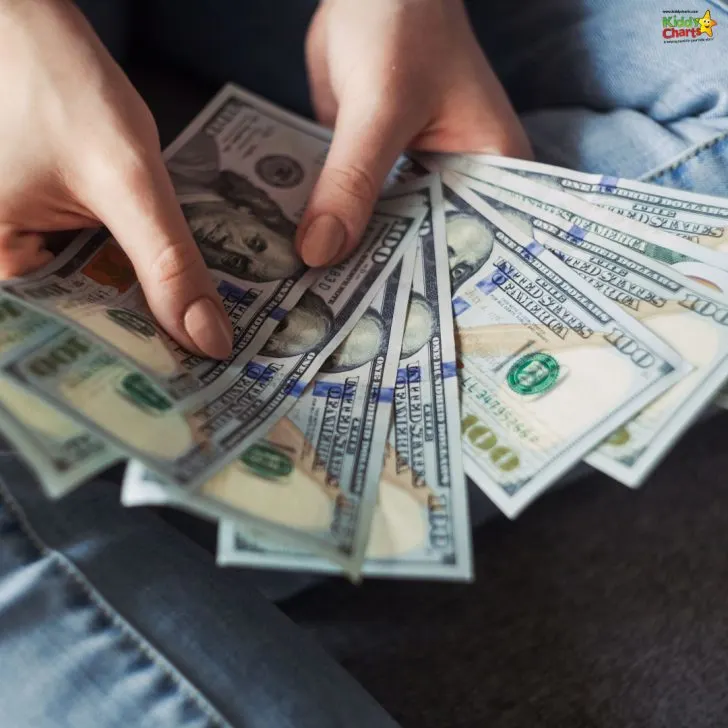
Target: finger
{"x": 47, "y": 219}
{"x": 139, "y": 207}
{"x": 476, "y": 117}
{"x": 368, "y": 138}
{"x": 319, "y": 80}
{"x": 21, "y": 253}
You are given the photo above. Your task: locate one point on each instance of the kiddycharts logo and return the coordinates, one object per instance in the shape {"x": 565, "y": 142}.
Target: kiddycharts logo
{"x": 681, "y": 26}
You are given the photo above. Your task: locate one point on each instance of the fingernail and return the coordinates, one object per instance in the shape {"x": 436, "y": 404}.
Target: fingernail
{"x": 324, "y": 241}
{"x": 209, "y": 328}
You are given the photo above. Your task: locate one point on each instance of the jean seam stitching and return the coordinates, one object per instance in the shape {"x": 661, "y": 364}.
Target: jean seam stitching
{"x": 142, "y": 645}
{"x": 683, "y": 158}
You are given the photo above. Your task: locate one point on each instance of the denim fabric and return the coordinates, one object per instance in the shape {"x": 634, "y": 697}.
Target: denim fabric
{"x": 595, "y": 84}
{"x": 599, "y": 90}
{"x": 111, "y": 618}
{"x": 68, "y": 657}
{"x": 702, "y": 167}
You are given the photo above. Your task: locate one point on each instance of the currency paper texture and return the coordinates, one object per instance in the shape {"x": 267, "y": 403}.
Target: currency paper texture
{"x": 680, "y": 229}
{"x": 420, "y": 526}
{"x": 673, "y": 306}
{"x": 186, "y": 444}
{"x": 500, "y": 318}
{"x": 313, "y": 481}
{"x": 549, "y": 366}
{"x": 243, "y": 170}
{"x": 62, "y": 453}
{"x": 701, "y": 219}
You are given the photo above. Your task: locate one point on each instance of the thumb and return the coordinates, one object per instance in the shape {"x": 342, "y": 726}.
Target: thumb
{"x": 365, "y": 146}
{"x": 144, "y": 216}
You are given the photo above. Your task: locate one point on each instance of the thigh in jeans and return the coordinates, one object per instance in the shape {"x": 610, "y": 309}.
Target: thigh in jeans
{"x": 599, "y": 89}
{"x": 597, "y": 86}
{"x": 109, "y": 618}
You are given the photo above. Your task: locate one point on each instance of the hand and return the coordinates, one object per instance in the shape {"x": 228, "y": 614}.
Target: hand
{"x": 391, "y": 74}
{"x": 80, "y": 148}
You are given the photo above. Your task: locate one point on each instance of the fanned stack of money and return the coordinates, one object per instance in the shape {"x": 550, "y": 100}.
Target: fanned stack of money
{"x": 500, "y": 320}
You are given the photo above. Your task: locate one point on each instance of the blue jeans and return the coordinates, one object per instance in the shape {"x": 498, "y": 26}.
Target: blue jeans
{"x": 110, "y": 617}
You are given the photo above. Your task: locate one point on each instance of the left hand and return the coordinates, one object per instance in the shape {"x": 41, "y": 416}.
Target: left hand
{"x": 390, "y": 75}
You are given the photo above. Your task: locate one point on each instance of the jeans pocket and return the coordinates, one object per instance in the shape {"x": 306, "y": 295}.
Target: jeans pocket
{"x": 703, "y": 169}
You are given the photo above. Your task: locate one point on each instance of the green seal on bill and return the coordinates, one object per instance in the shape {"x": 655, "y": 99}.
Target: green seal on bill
{"x": 267, "y": 461}
{"x": 533, "y": 374}
{"x": 143, "y": 393}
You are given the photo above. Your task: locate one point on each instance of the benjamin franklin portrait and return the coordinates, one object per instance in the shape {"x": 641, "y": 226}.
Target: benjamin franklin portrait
{"x": 363, "y": 343}
{"x": 244, "y": 233}
{"x": 469, "y": 245}
{"x": 419, "y": 327}
{"x": 309, "y": 326}
{"x": 306, "y": 327}
{"x": 369, "y": 337}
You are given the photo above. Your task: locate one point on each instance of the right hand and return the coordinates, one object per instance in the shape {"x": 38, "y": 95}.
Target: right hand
{"x": 80, "y": 148}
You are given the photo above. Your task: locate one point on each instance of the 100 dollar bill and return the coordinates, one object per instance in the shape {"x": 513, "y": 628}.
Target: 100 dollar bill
{"x": 686, "y": 231}
{"x": 62, "y": 453}
{"x": 313, "y": 481}
{"x": 549, "y": 366}
{"x": 188, "y": 443}
{"x": 420, "y": 527}
{"x": 243, "y": 170}
{"x": 674, "y": 307}
{"x": 701, "y": 219}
